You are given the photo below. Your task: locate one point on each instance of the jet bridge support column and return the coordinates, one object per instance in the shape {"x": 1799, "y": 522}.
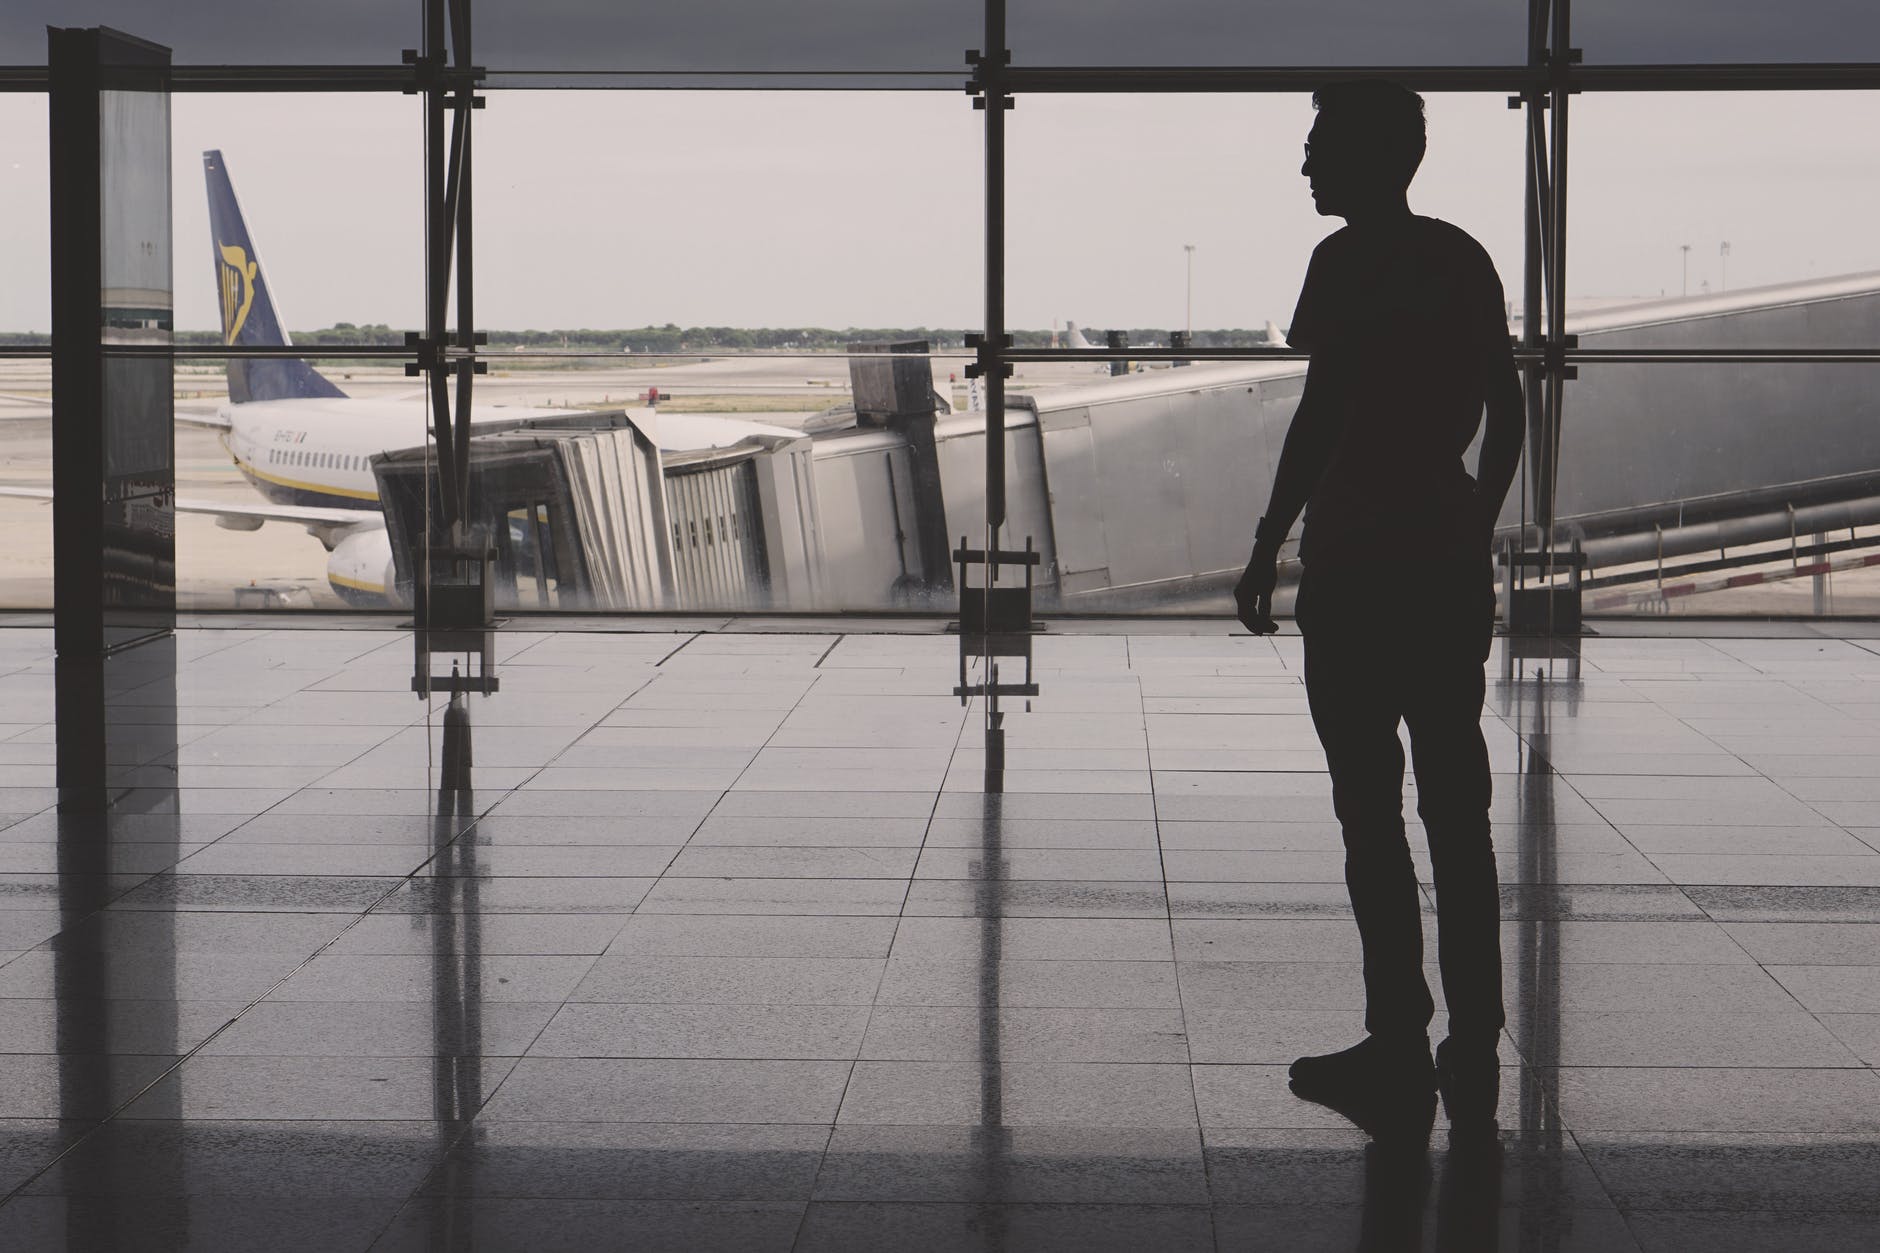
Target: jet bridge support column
{"x": 448, "y": 81}
{"x": 1544, "y": 608}
{"x": 454, "y": 563}
{"x": 988, "y": 87}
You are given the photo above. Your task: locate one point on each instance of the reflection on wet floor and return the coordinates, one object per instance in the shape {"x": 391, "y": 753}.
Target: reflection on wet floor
{"x": 768, "y": 940}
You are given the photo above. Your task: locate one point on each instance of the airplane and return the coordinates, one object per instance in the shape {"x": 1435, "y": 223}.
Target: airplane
{"x": 303, "y": 443}
{"x": 1271, "y": 337}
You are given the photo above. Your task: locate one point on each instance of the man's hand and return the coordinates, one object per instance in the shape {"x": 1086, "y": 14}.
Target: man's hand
{"x": 1253, "y": 595}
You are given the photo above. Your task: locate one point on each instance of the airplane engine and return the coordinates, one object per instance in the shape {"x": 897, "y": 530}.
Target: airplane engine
{"x": 360, "y": 568}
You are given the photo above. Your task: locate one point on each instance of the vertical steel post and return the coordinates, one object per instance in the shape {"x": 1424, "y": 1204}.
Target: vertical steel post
{"x": 1561, "y": 56}
{"x": 465, "y": 102}
{"x": 1535, "y": 258}
{"x": 993, "y": 61}
{"x": 437, "y": 256}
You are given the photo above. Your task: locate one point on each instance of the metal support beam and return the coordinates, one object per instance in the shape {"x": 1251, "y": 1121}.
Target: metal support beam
{"x": 445, "y": 76}
{"x": 992, "y": 94}
{"x": 1545, "y": 345}
{"x": 1100, "y": 79}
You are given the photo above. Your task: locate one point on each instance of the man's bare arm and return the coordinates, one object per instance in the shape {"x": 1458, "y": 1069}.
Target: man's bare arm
{"x": 1310, "y": 442}
{"x": 1501, "y": 439}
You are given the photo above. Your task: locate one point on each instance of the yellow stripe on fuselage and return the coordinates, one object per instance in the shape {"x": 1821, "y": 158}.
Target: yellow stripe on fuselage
{"x": 357, "y": 585}
{"x": 323, "y": 489}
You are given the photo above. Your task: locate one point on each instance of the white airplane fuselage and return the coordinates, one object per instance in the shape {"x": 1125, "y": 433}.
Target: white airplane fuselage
{"x": 319, "y": 452}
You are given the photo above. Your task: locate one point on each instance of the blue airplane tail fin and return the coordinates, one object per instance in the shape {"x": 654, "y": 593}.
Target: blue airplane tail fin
{"x": 249, "y": 318}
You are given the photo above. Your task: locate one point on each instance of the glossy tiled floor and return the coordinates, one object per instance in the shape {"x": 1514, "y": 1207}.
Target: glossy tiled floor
{"x": 730, "y": 948}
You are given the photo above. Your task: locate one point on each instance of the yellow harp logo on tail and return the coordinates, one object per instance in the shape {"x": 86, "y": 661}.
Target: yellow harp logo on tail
{"x": 237, "y": 273}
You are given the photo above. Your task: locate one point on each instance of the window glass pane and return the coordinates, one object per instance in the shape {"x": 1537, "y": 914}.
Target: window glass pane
{"x": 315, "y": 235}
{"x": 726, "y": 210}
{"x": 838, "y": 35}
{"x": 26, "y": 464}
{"x": 26, "y": 322}
{"x": 225, "y": 32}
{"x": 1702, "y": 488}
{"x": 1667, "y": 33}
{"x": 1105, "y": 251}
{"x": 1725, "y": 219}
{"x": 708, "y": 483}
{"x": 238, "y": 465}
{"x": 1150, "y": 484}
{"x": 331, "y": 186}
{"x": 25, "y": 247}
{"x": 1229, "y": 32}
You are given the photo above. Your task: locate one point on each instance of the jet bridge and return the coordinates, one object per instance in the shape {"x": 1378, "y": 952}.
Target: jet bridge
{"x": 1142, "y": 491}
{"x": 573, "y": 508}
{"x": 618, "y": 511}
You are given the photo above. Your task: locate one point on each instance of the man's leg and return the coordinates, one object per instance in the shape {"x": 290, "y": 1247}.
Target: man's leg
{"x": 1443, "y": 708}
{"x": 1353, "y": 696}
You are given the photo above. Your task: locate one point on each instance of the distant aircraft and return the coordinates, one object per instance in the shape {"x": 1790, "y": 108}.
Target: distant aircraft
{"x": 1074, "y": 338}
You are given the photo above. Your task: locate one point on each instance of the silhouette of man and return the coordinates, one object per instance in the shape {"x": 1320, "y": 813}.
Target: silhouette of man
{"x": 1404, "y": 319}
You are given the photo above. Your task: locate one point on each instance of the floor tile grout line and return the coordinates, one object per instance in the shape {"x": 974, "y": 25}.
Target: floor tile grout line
{"x": 825, "y": 652}
{"x": 675, "y": 652}
{"x": 1175, "y": 963}
{"x": 875, "y": 997}
{"x": 358, "y": 917}
{"x": 650, "y": 680}
{"x": 468, "y": 1124}
{"x": 194, "y": 1051}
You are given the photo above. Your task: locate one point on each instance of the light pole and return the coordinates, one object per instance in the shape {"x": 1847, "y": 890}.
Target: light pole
{"x": 1684, "y": 285}
{"x": 1190, "y": 323}
{"x": 1723, "y": 266}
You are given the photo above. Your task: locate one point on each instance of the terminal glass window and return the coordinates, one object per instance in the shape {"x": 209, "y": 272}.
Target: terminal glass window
{"x": 730, "y": 281}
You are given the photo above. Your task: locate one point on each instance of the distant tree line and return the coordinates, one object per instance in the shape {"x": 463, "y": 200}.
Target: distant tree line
{"x": 671, "y": 338}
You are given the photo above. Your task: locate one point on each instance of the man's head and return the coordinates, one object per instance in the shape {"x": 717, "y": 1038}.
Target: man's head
{"x": 1365, "y": 145}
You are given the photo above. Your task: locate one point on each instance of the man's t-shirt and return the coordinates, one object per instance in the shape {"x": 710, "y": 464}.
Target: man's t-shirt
{"x": 1403, "y": 320}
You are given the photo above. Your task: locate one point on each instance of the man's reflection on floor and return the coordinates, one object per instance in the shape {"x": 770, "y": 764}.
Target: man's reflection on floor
{"x": 1397, "y": 1186}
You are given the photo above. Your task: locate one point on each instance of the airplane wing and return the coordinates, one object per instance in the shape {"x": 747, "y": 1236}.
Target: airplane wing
{"x": 328, "y": 525}
{"x": 215, "y": 420}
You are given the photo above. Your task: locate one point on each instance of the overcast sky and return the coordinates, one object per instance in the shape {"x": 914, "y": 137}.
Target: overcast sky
{"x": 611, "y": 209}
